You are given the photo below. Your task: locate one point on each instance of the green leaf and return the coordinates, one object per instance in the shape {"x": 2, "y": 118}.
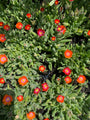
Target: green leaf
{"x": 50, "y": 66}
{"x": 52, "y": 2}
{"x": 77, "y": 109}
{"x": 66, "y": 40}
{"x": 53, "y": 77}
{"x": 66, "y": 24}
{"x": 18, "y": 71}
{"x": 53, "y": 113}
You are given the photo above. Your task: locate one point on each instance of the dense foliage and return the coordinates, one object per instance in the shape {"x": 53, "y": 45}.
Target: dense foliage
{"x": 44, "y": 60}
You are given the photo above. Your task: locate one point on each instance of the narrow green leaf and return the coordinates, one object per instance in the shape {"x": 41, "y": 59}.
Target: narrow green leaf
{"x": 52, "y": 2}
{"x": 66, "y": 40}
